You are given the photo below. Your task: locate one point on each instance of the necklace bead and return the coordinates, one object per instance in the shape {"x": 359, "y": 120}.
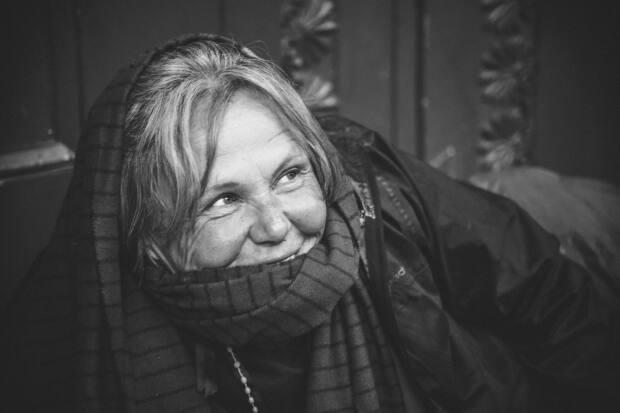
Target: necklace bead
{"x": 243, "y": 379}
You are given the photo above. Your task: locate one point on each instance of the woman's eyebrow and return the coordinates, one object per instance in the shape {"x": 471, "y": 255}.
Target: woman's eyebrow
{"x": 219, "y": 187}
{"x": 280, "y": 132}
{"x": 294, "y": 158}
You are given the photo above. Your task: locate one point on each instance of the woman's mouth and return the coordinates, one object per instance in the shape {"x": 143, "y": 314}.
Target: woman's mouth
{"x": 290, "y": 257}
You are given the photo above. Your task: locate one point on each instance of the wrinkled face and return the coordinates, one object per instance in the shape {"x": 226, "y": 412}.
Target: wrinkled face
{"x": 262, "y": 202}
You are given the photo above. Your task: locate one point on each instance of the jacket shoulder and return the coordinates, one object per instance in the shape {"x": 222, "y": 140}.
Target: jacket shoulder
{"x": 351, "y": 141}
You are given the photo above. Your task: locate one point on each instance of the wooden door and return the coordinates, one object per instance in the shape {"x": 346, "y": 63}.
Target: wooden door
{"x": 58, "y": 57}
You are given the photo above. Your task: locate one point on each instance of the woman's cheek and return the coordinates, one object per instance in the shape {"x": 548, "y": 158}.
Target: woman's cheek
{"x": 307, "y": 209}
{"x": 218, "y": 243}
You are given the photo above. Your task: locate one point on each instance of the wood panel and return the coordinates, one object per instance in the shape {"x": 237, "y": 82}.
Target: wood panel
{"x": 378, "y": 68}
{"x": 116, "y": 31}
{"x": 66, "y": 76}
{"x": 255, "y": 24}
{"x": 28, "y": 209}
{"x": 407, "y": 88}
{"x": 28, "y": 202}
{"x": 454, "y": 44}
{"x": 577, "y": 101}
{"x": 364, "y": 62}
{"x": 27, "y": 89}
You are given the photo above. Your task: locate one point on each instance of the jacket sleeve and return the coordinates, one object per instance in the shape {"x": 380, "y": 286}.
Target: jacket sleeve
{"x": 498, "y": 269}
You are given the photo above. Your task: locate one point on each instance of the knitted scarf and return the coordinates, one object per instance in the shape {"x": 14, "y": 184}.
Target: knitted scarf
{"x": 351, "y": 367}
{"x": 82, "y": 335}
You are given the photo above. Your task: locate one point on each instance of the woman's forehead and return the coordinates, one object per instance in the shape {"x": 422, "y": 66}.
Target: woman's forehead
{"x": 248, "y": 128}
{"x": 247, "y": 120}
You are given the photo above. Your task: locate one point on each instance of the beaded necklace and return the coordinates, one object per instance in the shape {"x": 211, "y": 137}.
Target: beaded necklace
{"x": 244, "y": 380}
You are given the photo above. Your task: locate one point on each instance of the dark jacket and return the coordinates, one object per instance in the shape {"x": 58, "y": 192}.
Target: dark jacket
{"x": 484, "y": 312}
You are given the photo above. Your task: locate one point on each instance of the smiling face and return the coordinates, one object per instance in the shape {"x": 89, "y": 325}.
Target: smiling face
{"x": 262, "y": 202}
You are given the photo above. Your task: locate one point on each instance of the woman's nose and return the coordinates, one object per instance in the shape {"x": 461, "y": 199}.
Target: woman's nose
{"x": 271, "y": 224}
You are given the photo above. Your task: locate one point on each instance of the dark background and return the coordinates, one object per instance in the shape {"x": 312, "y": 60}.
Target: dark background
{"x": 406, "y": 68}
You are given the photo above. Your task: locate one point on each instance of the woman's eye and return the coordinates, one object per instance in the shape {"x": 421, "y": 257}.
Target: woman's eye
{"x": 225, "y": 200}
{"x": 290, "y": 175}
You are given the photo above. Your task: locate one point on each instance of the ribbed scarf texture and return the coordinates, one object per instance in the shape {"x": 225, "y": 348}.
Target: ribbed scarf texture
{"x": 86, "y": 337}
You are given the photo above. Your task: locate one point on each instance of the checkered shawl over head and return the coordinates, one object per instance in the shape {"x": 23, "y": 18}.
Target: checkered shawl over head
{"x": 85, "y": 336}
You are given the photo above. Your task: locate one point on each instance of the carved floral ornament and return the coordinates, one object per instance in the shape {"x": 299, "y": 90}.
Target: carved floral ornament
{"x": 308, "y": 29}
{"x": 507, "y": 74}
{"x": 507, "y": 80}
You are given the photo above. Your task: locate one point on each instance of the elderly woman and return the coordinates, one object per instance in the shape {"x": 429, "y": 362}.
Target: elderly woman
{"x": 221, "y": 250}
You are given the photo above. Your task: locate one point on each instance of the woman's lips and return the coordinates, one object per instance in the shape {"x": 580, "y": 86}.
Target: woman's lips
{"x": 290, "y": 257}
{"x": 303, "y": 249}
{"x": 285, "y": 259}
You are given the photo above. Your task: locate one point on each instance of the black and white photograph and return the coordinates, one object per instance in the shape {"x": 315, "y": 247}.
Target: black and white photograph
{"x": 310, "y": 206}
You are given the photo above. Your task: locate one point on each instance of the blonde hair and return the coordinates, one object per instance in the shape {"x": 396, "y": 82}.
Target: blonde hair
{"x": 162, "y": 177}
